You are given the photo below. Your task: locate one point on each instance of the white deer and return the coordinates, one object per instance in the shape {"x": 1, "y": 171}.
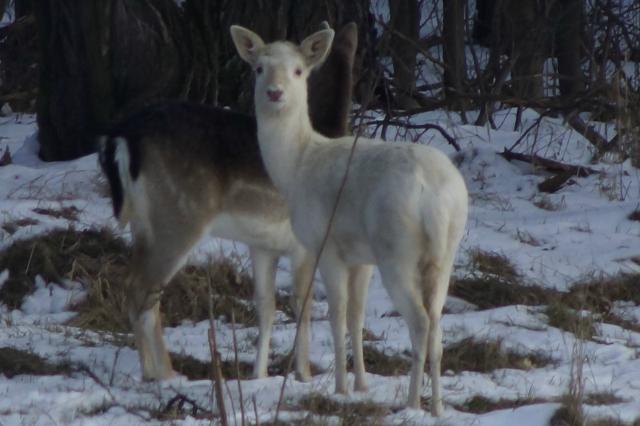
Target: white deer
{"x": 403, "y": 208}
{"x": 178, "y": 171}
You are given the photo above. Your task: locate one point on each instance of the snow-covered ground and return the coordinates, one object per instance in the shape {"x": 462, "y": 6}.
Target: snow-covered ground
{"x": 587, "y": 231}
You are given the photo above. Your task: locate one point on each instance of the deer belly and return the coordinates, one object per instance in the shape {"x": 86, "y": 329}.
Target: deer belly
{"x": 255, "y": 231}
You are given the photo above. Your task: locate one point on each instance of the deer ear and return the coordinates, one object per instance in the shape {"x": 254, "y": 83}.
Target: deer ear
{"x": 316, "y": 47}
{"x": 247, "y": 43}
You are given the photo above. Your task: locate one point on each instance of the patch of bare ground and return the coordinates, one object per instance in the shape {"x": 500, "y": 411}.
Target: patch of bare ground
{"x": 602, "y": 398}
{"x": 486, "y": 356}
{"x": 57, "y": 255}
{"x": 12, "y": 226}
{"x": 68, "y": 213}
{"x": 634, "y": 215}
{"x": 196, "y": 369}
{"x": 14, "y": 362}
{"x": 479, "y": 404}
{"x": 466, "y": 355}
{"x": 349, "y": 413}
{"x": 100, "y": 260}
{"x": 598, "y": 295}
{"x": 494, "y": 281}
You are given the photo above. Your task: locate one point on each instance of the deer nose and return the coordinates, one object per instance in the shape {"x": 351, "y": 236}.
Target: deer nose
{"x": 274, "y": 95}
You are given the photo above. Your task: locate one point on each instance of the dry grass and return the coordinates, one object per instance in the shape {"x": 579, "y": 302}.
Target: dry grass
{"x": 486, "y": 356}
{"x": 466, "y": 355}
{"x": 12, "y": 226}
{"x": 479, "y": 404}
{"x": 100, "y": 260}
{"x": 350, "y": 414}
{"x": 567, "y": 415}
{"x": 610, "y": 422}
{"x": 68, "y": 213}
{"x": 598, "y": 294}
{"x": 195, "y": 369}
{"x": 14, "y": 362}
{"x": 187, "y": 295}
{"x": 563, "y": 317}
{"x": 55, "y": 256}
{"x": 495, "y": 282}
{"x": 603, "y": 398}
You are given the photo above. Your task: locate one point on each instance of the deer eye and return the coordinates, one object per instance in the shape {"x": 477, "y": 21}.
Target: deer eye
{"x": 259, "y": 70}
{"x": 298, "y": 71}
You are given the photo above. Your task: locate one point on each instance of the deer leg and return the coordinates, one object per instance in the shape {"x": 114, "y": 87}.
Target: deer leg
{"x": 436, "y": 276}
{"x": 335, "y": 275}
{"x": 302, "y": 265}
{"x": 359, "y": 278}
{"x": 153, "y": 266}
{"x": 399, "y": 280}
{"x": 264, "y": 265}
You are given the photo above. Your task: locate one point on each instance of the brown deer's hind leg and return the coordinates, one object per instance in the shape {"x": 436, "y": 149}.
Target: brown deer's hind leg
{"x": 153, "y": 266}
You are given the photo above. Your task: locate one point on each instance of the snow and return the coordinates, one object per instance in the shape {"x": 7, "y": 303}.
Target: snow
{"x": 586, "y": 232}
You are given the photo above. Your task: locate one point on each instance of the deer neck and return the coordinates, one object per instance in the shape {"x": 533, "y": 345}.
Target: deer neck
{"x": 283, "y": 138}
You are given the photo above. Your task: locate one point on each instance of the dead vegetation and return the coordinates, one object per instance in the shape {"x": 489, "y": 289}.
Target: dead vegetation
{"x": 598, "y": 295}
{"x": 12, "y": 226}
{"x": 56, "y": 256}
{"x": 634, "y": 215}
{"x": 14, "y": 362}
{"x": 350, "y": 414}
{"x": 68, "y": 213}
{"x": 99, "y": 260}
{"x": 467, "y": 355}
{"x": 495, "y": 282}
{"x": 488, "y": 355}
{"x": 479, "y": 404}
{"x": 580, "y": 323}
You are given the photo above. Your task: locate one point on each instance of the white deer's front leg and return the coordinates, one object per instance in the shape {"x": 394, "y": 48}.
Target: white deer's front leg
{"x": 359, "y": 278}
{"x": 264, "y": 265}
{"x": 335, "y": 275}
{"x": 302, "y": 265}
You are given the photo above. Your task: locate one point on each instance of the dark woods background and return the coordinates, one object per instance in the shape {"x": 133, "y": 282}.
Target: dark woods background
{"x": 81, "y": 64}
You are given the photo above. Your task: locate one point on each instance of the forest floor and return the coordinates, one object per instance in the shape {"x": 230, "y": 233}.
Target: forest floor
{"x": 542, "y": 322}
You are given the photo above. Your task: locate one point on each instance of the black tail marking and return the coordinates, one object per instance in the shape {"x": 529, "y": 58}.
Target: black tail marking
{"x": 107, "y": 153}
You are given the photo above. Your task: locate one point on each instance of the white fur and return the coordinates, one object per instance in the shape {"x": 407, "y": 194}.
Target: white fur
{"x": 404, "y": 206}
{"x": 268, "y": 239}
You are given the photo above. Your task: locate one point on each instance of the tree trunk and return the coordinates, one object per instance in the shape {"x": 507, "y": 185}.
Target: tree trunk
{"x": 23, "y": 8}
{"x": 404, "y": 23}
{"x": 569, "y": 47}
{"x": 525, "y": 21}
{"x": 3, "y": 7}
{"x": 102, "y": 59}
{"x": 453, "y": 52}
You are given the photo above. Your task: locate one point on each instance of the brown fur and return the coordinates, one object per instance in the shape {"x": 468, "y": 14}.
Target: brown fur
{"x": 188, "y": 165}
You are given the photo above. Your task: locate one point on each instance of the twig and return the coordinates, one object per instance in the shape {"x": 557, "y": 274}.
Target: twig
{"x": 426, "y": 126}
{"x": 237, "y": 365}
{"x": 179, "y": 400}
{"x": 526, "y": 132}
{"x": 590, "y": 134}
{"x": 550, "y": 165}
{"x": 113, "y": 367}
{"x": 255, "y": 409}
{"x": 216, "y": 371}
{"x": 5, "y": 159}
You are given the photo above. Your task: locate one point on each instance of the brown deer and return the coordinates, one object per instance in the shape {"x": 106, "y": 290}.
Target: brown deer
{"x": 178, "y": 171}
